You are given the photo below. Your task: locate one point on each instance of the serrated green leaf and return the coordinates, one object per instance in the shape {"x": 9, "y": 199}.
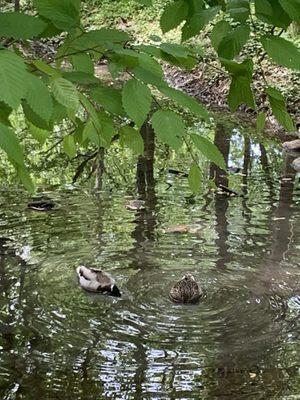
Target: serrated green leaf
{"x": 13, "y": 78}
{"x": 240, "y": 93}
{"x": 239, "y": 9}
{"x": 186, "y": 101}
{"x": 194, "y": 178}
{"x": 81, "y": 78}
{"x": 69, "y": 146}
{"x": 39, "y": 98}
{"x": 175, "y": 50}
{"x": 109, "y": 98}
{"x": 91, "y": 133}
{"x": 278, "y": 105}
{"x": 5, "y": 112}
{"x": 271, "y": 12}
{"x": 173, "y": 15}
{"x": 260, "y": 122}
{"x": 218, "y": 33}
{"x": 95, "y": 38}
{"x": 82, "y": 62}
{"x": 282, "y": 51}
{"x": 41, "y": 135}
{"x": 292, "y": 8}
{"x": 198, "y": 20}
{"x": 131, "y": 138}
{"x": 209, "y": 150}
{"x": 65, "y": 93}
{"x": 231, "y": 45}
{"x": 34, "y": 118}
{"x": 91, "y": 111}
{"x": 107, "y": 128}
{"x": 136, "y": 98}
{"x": 25, "y": 178}
{"x": 11, "y": 145}
{"x": 147, "y": 62}
{"x": 64, "y": 14}
{"x": 169, "y": 127}
{"x": 18, "y": 25}
{"x": 46, "y": 68}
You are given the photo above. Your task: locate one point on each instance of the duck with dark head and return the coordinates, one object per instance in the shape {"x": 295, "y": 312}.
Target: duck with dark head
{"x": 97, "y": 281}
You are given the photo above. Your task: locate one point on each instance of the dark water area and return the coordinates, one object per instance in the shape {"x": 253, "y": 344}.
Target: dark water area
{"x": 241, "y": 341}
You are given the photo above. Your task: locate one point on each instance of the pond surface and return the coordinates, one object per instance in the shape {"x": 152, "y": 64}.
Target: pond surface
{"x": 241, "y": 341}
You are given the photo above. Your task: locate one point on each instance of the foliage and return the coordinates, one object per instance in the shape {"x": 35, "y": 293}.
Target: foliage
{"x": 51, "y": 94}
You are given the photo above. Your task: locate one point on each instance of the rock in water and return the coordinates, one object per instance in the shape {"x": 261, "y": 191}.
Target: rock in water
{"x": 296, "y": 164}
{"x": 293, "y": 145}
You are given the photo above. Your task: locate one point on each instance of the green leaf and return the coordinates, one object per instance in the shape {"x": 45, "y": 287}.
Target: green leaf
{"x": 292, "y": 8}
{"x": 81, "y": 78}
{"x": 39, "y": 98}
{"x": 175, "y": 50}
{"x": 25, "y": 178}
{"x": 260, "y": 122}
{"x": 198, "y": 20}
{"x": 20, "y": 26}
{"x": 194, "y": 178}
{"x": 186, "y": 101}
{"x": 13, "y": 78}
{"x": 107, "y": 128}
{"x": 11, "y": 145}
{"x": 59, "y": 112}
{"x": 65, "y": 93}
{"x": 271, "y": 12}
{"x": 231, "y": 45}
{"x": 82, "y": 62}
{"x": 209, "y": 150}
{"x": 91, "y": 111}
{"x": 69, "y": 146}
{"x": 136, "y": 98}
{"x": 282, "y": 51}
{"x": 173, "y": 15}
{"x": 95, "y": 38}
{"x": 239, "y": 10}
{"x": 147, "y": 62}
{"x": 34, "y": 118}
{"x": 219, "y": 31}
{"x": 278, "y": 105}
{"x": 91, "y": 133}
{"x": 240, "y": 93}
{"x": 46, "y": 68}
{"x": 169, "y": 127}
{"x": 131, "y": 138}
{"x": 109, "y": 98}
{"x": 41, "y": 135}
{"x": 5, "y": 112}
{"x": 64, "y": 14}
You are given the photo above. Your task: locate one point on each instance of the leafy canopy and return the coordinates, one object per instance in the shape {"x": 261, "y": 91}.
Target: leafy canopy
{"x": 48, "y": 94}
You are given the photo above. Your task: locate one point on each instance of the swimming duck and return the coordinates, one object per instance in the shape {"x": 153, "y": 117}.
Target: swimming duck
{"x": 135, "y": 205}
{"x": 95, "y": 280}
{"x": 41, "y": 205}
{"x": 186, "y": 290}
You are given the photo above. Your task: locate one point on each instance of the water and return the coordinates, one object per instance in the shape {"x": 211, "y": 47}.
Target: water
{"x": 240, "y": 342}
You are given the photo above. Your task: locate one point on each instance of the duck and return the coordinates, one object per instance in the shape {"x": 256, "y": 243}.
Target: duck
{"x": 41, "y": 205}
{"x": 97, "y": 281}
{"x": 186, "y": 290}
{"x": 135, "y": 205}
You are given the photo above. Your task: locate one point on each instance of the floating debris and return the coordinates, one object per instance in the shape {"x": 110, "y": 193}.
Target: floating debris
{"x": 135, "y": 205}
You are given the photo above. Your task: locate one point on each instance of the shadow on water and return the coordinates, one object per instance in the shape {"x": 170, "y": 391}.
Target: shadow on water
{"x": 240, "y": 342}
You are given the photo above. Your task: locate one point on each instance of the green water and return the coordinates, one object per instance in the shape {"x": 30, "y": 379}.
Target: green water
{"x": 241, "y": 341}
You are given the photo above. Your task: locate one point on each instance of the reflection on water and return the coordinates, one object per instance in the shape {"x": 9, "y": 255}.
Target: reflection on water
{"x": 240, "y": 342}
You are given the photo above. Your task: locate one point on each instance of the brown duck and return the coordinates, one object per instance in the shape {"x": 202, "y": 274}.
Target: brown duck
{"x": 97, "y": 281}
{"x": 187, "y": 290}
